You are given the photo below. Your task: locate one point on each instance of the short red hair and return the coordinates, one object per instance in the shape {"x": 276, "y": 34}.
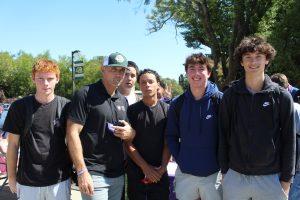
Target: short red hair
{"x": 45, "y": 65}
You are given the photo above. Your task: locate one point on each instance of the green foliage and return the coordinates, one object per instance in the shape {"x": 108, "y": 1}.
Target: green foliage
{"x": 20, "y": 82}
{"x": 183, "y": 82}
{"x": 222, "y": 24}
{"x": 92, "y": 72}
{"x": 16, "y": 79}
{"x": 64, "y": 87}
{"x": 6, "y": 67}
{"x": 175, "y": 87}
{"x": 284, "y": 34}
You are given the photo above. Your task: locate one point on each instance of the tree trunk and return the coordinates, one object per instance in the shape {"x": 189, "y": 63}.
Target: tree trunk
{"x": 209, "y": 30}
{"x": 237, "y": 36}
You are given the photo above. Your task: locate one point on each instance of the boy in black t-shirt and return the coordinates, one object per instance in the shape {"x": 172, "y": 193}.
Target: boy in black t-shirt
{"x": 44, "y": 164}
{"x": 148, "y": 152}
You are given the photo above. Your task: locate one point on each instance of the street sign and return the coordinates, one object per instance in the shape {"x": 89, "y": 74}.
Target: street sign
{"x": 78, "y": 72}
{"x": 78, "y": 63}
{"x": 78, "y": 69}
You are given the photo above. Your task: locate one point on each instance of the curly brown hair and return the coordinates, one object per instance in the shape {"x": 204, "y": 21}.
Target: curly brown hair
{"x": 280, "y": 79}
{"x": 254, "y": 44}
{"x": 198, "y": 58}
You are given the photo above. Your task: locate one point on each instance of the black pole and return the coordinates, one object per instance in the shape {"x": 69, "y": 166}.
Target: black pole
{"x": 73, "y": 82}
{"x": 73, "y": 71}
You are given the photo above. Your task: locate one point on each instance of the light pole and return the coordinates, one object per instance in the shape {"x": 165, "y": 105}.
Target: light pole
{"x": 77, "y": 68}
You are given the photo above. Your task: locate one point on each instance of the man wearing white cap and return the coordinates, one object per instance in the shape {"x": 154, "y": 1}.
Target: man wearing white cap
{"x": 96, "y": 130}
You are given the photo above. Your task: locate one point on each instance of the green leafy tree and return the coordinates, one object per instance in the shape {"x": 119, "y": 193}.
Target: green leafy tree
{"x": 175, "y": 87}
{"x": 6, "y": 67}
{"x": 21, "y": 75}
{"x": 64, "y": 87}
{"x": 16, "y": 70}
{"x": 92, "y": 72}
{"x": 282, "y": 28}
{"x": 183, "y": 82}
{"x": 218, "y": 24}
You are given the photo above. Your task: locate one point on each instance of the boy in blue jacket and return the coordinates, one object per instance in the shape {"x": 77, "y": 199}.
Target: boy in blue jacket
{"x": 192, "y": 133}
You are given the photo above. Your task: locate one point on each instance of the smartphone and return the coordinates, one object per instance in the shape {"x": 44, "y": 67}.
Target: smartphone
{"x": 110, "y": 127}
{"x": 118, "y": 123}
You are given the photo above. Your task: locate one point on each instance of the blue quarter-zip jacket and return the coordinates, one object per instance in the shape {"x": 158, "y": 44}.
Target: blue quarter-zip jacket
{"x": 193, "y": 137}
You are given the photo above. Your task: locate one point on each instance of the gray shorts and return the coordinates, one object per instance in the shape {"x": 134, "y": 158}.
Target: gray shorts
{"x": 189, "y": 187}
{"x": 61, "y": 191}
{"x": 237, "y": 186}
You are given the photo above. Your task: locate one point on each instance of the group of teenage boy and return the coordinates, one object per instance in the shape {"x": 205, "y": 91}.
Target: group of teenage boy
{"x": 236, "y": 146}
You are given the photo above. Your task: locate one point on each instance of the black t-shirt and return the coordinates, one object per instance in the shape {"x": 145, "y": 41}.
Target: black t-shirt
{"x": 44, "y": 158}
{"x": 94, "y": 108}
{"x": 149, "y": 124}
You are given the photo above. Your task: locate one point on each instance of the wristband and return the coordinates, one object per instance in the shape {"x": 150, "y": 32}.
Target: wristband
{"x": 80, "y": 172}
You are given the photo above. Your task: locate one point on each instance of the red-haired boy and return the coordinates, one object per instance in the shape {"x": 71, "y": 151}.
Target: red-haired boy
{"x": 36, "y": 124}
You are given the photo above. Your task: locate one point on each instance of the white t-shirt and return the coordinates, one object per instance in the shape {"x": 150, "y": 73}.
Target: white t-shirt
{"x": 131, "y": 98}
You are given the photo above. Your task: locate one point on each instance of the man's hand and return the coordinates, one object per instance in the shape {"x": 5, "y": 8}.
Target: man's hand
{"x": 161, "y": 170}
{"x": 151, "y": 173}
{"x": 124, "y": 132}
{"x": 85, "y": 183}
{"x": 12, "y": 183}
{"x": 168, "y": 91}
{"x": 285, "y": 186}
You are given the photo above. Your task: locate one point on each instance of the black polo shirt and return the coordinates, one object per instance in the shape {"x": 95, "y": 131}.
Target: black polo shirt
{"x": 94, "y": 108}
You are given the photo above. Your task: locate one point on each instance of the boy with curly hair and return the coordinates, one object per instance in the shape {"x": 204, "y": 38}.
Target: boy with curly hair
{"x": 256, "y": 126}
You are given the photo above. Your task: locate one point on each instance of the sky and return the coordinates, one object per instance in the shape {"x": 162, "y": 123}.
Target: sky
{"x": 96, "y": 28}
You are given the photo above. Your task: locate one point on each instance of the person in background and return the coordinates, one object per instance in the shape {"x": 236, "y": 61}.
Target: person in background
{"x": 127, "y": 86}
{"x": 294, "y": 92}
{"x": 164, "y": 92}
{"x": 294, "y": 193}
{"x": 282, "y": 79}
{"x": 2, "y": 98}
